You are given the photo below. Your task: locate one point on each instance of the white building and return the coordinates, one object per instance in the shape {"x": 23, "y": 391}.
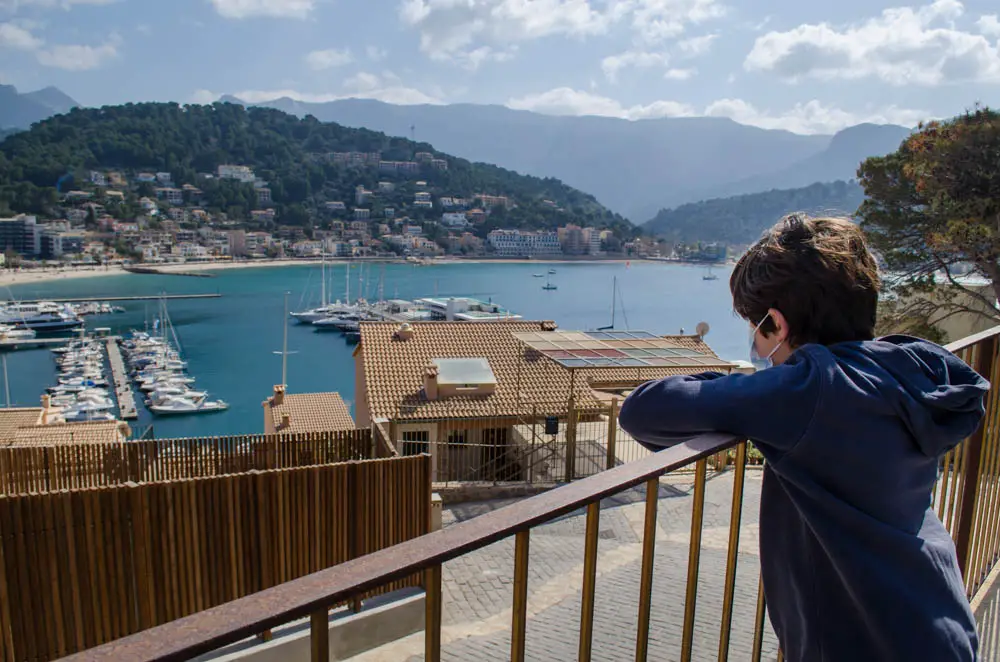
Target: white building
{"x": 454, "y": 219}
{"x": 593, "y": 241}
{"x": 362, "y": 214}
{"x": 514, "y": 243}
{"x": 238, "y": 172}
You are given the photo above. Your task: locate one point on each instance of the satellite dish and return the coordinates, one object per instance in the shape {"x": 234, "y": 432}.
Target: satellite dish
{"x": 701, "y": 329}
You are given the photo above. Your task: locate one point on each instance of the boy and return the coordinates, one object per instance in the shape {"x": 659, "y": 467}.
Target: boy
{"x": 856, "y": 566}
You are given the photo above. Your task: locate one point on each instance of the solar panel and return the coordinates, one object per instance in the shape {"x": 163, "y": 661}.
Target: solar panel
{"x": 613, "y": 349}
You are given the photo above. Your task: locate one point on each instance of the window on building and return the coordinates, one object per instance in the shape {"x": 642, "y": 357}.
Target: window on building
{"x": 415, "y": 442}
{"x": 458, "y": 436}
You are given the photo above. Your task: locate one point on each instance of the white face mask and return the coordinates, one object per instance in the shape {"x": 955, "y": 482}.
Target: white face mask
{"x": 761, "y": 362}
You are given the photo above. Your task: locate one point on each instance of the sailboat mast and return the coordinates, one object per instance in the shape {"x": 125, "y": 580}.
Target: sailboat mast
{"x": 6, "y": 383}
{"x": 284, "y": 343}
{"x": 322, "y": 266}
{"x": 614, "y": 300}
{"x": 347, "y": 279}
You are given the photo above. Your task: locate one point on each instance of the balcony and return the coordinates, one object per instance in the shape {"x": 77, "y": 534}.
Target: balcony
{"x": 650, "y": 559}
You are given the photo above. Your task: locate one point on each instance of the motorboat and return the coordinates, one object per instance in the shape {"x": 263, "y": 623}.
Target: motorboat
{"x": 350, "y": 322}
{"x": 82, "y": 416}
{"x": 41, "y": 317}
{"x": 10, "y": 332}
{"x": 175, "y": 406}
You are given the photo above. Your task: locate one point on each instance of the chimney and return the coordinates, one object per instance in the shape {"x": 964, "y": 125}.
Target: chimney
{"x": 279, "y": 395}
{"x": 46, "y": 407}
{"x": 549, "y": 326}
{"x": 405, "y": 331}
{"x": 431, "y": 382}
{"x": 286, "y": 421}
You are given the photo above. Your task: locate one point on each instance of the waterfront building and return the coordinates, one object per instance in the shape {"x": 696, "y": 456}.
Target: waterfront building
{"x": 17, "y": 234}
{"x": 517, "y": 243}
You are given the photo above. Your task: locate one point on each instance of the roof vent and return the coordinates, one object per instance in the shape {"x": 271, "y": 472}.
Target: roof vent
{"x": 279, "y": 395}
{"x": 405, "y": 331}
{"x": 286, "y": 421}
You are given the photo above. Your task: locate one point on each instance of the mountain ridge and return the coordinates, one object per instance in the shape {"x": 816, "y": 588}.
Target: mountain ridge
{"x": 21, "y": 110}
{"x": 635, "y": 167}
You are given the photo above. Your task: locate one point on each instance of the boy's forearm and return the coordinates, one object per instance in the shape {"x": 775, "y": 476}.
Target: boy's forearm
{"x": 669, "y": 411}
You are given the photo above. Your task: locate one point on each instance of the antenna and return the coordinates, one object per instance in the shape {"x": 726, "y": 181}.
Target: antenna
{"x": 284, "y": 347}
{"x": 614, "y": 306}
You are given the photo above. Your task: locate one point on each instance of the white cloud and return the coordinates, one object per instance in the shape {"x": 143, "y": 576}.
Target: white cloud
{"x": 204, "y": 97}
{"x": 265, "y": 8}
{"x": 71, "y": 57}
{"x": 375, "y": 54}
{"x": 680, "y": 74}
{"x": 450, "y": 28}
{"x": 77, "y": 57}
{"x": 328, "y": 59}
{"x": 696, "y": 46}
{"x": 989, "y": 25}
{"x": 567, "y": 101}
{"x": 386, "y": 87}
{"x": 17, "y": 38}
{"x": 612, "y": 64}
{"x": 900, "y": 46}
{"x": 657, "y": 20}
{"x": 810, "y": 117}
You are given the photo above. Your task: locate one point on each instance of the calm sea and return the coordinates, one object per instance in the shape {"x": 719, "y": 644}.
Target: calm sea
{"x": 229, "y": 343}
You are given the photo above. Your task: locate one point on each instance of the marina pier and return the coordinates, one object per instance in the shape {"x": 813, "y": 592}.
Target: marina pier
{"x": 123, "y": 388}
{"x": 153, "y": 297}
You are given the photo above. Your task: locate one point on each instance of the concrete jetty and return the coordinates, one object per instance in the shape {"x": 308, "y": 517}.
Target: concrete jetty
{"x": 123, "y": 388}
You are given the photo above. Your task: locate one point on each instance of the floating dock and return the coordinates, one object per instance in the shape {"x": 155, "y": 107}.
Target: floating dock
{"x": 123, "y": 388}
{"x": 154, "y": 297}
{"x": 32, "y": 343}
{"x": 153, "y": 271}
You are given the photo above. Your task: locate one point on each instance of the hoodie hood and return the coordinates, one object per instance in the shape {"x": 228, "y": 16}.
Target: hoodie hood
{"x": 936, "y": 394}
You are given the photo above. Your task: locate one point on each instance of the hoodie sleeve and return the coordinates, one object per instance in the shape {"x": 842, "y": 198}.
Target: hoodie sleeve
{"x": 772, "y": 407}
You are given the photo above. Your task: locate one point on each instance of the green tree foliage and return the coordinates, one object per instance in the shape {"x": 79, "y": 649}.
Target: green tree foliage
{"x": 290, "y": 153}
{"x": 933, "y": 215}
{"x": 741, "y": 219}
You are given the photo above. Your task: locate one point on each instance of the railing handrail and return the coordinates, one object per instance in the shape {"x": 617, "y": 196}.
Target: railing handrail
{"x": 230, "y": 622}
{"x": 969, "y": 341}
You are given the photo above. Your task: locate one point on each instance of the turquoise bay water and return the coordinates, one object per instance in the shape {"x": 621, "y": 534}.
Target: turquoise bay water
{"x": 229, "y": 342}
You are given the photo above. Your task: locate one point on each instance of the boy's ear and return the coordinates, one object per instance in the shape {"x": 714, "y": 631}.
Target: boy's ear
{"x": 780, "y": 325}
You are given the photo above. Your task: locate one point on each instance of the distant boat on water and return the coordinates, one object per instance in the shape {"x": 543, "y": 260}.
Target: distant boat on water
{"x": 710, "y": 275}
{"x": 548, "y": 283}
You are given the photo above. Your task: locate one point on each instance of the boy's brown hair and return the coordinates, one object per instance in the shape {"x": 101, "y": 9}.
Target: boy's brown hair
{"x": 818, "y": 272}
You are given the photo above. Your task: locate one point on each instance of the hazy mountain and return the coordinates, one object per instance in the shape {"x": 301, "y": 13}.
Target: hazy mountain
{"x": 633, "y": 167}
{"x": 741, "y": 219}
{"x": 52, "y": 98}
{"x": 840, "y": 160}
{"x": 22, "y": 110}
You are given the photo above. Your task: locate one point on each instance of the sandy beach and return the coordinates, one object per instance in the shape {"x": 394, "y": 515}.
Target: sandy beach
{"x": 27, "y": 276}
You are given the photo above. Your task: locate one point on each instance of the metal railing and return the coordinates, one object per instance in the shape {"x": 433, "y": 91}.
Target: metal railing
{"x": 967, "y": 496}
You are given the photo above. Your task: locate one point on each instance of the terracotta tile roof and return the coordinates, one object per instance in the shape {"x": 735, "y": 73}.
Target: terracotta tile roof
{"x": 311, "y": 412}
{"x": 12, "y": 419}
{"x": 526, "y": 380}
{"x": 95, "y": 432}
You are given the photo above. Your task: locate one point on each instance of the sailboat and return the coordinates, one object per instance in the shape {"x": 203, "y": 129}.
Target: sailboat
{"x": 614, "y": 308}
{"x": 710, "y": 275}
{"x": 548, "y": 285}
{"x": 326, "y": 308}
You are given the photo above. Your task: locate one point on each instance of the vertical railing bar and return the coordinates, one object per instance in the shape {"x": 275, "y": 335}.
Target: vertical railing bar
{"x": 990, "y": 514}
{"x": 694, "y": 557}
{"x": 732, "y": 555}
{"x": 956, "y": 478}
{"x": 519, "y": 619}
{"x": 646, "y": 573}
{"x": 319, "y": 636}
{"x": 589, "y": 581}
{"x": 432, "y": 614}
{"x": 758, "y": 625}
{"x": 611, "y": 460}
{"x": 972, "y": 466}
{"x": 982, "y": 527}
{"x": 942, "y": 497}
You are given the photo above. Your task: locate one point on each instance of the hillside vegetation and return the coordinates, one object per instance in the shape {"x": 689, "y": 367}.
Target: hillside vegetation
{"x": 290, "y": 153}
{"x": 742, "y": 219}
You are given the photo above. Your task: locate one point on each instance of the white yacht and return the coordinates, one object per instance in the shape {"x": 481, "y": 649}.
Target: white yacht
{"x": 9, "y": 332}
{"x": 44, "y": 316}
{"x": 175, "y": 405}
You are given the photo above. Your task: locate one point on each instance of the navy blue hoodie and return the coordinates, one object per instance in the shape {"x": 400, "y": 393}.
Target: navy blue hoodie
{"x": 856, "y": 565}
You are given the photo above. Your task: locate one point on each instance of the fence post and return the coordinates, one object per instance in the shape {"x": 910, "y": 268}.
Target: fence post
{"x": 972, "y": 462}
{"x": 571, "y": 441}
{"x": 354, "y": 528}
{"x": 612, "y": 434}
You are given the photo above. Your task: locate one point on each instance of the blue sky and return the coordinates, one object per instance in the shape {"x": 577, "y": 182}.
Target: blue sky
{"x": 808, "y": 67}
